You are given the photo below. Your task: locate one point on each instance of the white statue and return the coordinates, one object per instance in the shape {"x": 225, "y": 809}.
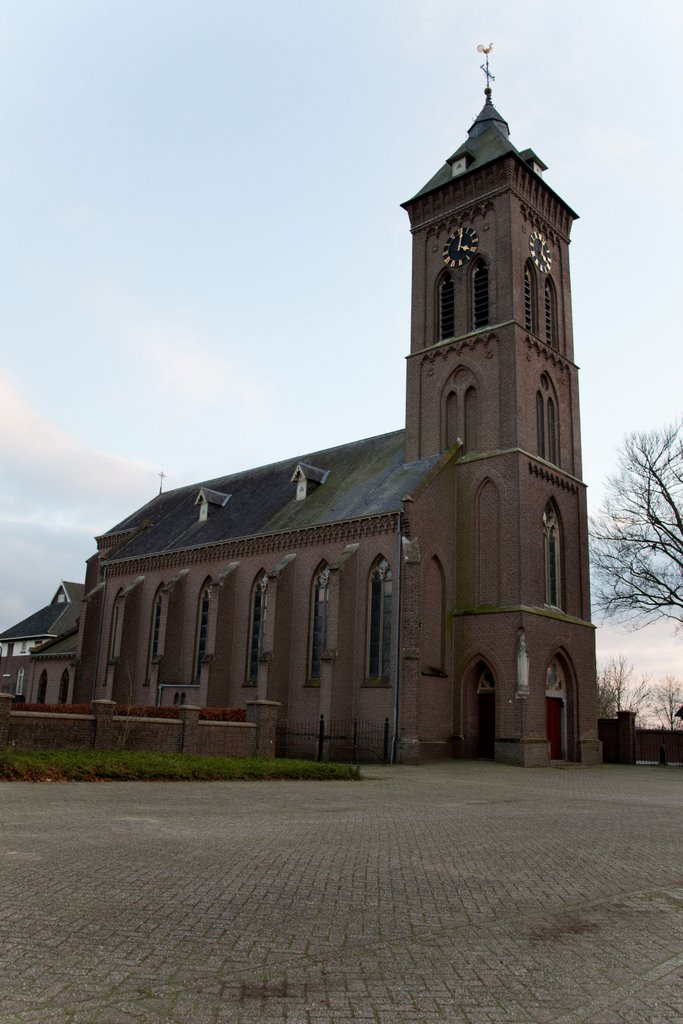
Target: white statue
{"x": 522, "y": 665}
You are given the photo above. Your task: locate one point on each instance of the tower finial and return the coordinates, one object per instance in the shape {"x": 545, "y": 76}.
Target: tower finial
{"x": 485, "y": 67}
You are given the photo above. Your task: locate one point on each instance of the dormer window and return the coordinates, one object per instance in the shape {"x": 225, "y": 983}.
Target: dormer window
{"x": 460, "y": 161}
{"x": 307, "y": 478}
{"x": 209, "y": 501}
{"x": 533, "y": 161}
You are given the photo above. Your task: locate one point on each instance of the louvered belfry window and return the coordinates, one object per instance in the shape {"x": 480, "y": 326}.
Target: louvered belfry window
{"x": 528, "y": 299}
{"x": 550, "y": 315}
{"x": 480, "y": 295}
{"x": 446, "y": 307}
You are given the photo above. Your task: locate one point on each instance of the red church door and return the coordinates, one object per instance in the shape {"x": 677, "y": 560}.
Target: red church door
{"x": 553, "y": 726}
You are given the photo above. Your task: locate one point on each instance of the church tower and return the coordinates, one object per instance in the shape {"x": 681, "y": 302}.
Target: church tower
{"x": 491, "y": 380}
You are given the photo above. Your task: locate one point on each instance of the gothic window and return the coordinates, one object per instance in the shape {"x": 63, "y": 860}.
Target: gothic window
{"x": 552, "y": 433}
{"x": 471, "y": 425}
{"x": 318, "y": 619}
{"x": 446, "y": 307}
{"x": 20, "y": 681}
{"x": 540, "y": 424}
{"x": 529, "y": 297}
{"x": 258, "y": 618}
{"x": 550, "y": 315}
{"x": 156, "y": 627}
{"x": 551, "y": 544}
{"x": 202, "y": 631}
{"x": 480, "y": 295}
{"x": 379, "y": 647}
{"x": 64, "y": 687}
{"x": 42, "y": 688}
{"x": 116, "y": 627}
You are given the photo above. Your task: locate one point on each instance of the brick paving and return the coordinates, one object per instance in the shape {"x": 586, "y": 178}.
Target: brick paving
{"x": 464, "y": 892}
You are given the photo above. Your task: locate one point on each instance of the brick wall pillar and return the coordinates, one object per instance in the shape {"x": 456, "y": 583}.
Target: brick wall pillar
{"x": 189, "y": 729}
{"x": 5, "y": 706}
{"x": 263, "y": 713}
{"x": 626, "y": 737}
{"x": 103, "y": 734}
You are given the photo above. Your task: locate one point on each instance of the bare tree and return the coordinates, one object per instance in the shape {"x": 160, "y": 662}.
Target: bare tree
{"x": 637, "y": 538}
{"x": 620, "y": 689}
{"x": 666, "y": 699}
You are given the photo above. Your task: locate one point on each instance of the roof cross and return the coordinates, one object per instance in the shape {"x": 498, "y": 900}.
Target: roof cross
{"x": 485, "y": 67}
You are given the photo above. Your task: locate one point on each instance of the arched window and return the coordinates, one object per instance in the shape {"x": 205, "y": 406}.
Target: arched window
{"x": 471, "y": 424}
{"x": 318, "y": 620}
{"x": 155, "y": 627}
{"x": 64, "y": 687}
{"x": 42, "y": 688}
{"x": 480, "y": 295}
{"x": 550, "y": 315}
{"x": 552, "y": 432}
{"x": 258, "y": 618}
{"x": 446, "y": 307}
{"x": 20, "y": 681}
{"x": 116, "y": 627}
{"x": 379, "y": 646}
{"x": 540, "y": 424}
{"x": 202, "y": 631}
{"x": 529, "y": 299}
{"x": 551, "y": 545}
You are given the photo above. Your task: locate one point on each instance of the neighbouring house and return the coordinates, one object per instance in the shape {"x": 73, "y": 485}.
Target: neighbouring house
{"x": 37, "y": 655}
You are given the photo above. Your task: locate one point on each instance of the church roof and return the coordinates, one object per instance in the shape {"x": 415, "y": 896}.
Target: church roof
{"x": 364, "y": 478}
{"x": 488, "y": 140}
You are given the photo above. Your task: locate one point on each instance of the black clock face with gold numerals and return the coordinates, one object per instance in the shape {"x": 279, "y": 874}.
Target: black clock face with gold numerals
{"x": 460, "y": 247}
{"x": 540, "y": 253}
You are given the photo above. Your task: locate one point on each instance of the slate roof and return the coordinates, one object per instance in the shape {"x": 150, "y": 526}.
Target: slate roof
{"x": 364, "y": 478}
{"x": 52, "y": 620}
{"x": 62, "y": 647}
{"x": 487, "y": 140}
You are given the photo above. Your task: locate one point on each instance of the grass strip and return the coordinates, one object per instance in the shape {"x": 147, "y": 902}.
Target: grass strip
{"x": 127, "y": 766}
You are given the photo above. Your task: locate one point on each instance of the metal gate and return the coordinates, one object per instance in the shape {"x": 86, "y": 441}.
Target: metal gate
{"x": 318, "y": 739}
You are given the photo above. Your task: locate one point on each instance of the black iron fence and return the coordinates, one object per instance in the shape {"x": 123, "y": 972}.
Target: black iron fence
{"x": 319, "y": 739}
{"x": 659, "y": 746}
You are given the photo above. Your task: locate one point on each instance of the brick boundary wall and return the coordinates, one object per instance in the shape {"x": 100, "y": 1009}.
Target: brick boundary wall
{"x": 103, "y": 730}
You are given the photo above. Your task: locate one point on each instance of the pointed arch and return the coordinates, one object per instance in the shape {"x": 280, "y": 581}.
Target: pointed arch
{"x": 487, "y": 518}
{"x": 446, "y": 306}
{"x": 155, "y": 625}
{"x": 202, "y": 627}
{"x": 471, "y": 420}
{"x": 42, "y": 688}
{"x": 116, "y": 631}
{"x": 552, "y": 554}
{"x": 64, "y": 687}
{"x": 480, "y": 294}
{"x": 379, "y": 619}
{"x": 550, "y": 314}
{"x": 21, "y": 675}
{"x": 433, "y": 618}
{"x": 318, "y": 620}
{"x": 257, "y": 618}
{"x": 547, "y": 425}
{"x": 529, "y": 297}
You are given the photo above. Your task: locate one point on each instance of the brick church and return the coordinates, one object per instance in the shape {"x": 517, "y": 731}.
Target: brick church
{"x": 435, "y": 577}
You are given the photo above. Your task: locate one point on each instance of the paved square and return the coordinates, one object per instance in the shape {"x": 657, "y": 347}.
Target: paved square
{"x": 464, "y": 892}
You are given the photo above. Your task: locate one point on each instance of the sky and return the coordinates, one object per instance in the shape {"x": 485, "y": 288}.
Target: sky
{"x": 205, "y": 265}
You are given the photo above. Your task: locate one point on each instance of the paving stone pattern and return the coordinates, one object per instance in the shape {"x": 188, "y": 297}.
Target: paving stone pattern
{"x": 464, "y": 892}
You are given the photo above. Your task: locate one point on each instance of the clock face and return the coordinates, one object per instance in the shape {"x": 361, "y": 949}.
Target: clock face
{"x": 460, "y": 247}
{"x": 540, "y": 253}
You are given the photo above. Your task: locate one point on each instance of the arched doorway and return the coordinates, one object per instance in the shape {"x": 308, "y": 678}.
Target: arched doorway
{"x": 486, "y": 712}
{"x": 555, "y": 710}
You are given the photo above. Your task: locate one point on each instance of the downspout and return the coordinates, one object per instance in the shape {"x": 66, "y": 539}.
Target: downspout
{"x": 397, "y": 653}
{"x": 99, "y": 633}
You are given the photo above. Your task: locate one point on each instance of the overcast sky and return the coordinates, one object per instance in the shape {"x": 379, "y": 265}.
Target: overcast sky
{"x": 204, "y": 261}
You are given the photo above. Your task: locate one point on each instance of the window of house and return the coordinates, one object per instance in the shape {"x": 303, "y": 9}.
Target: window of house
{"x": 42, "y": 688}
{"x": 202, "y": 631}
{"x": 64, "y": 687}
{"x": 318, "y": 620}
{"x": 446, "y": 307}
{"x": 480, "y": 295}
{"x": 380, "y": 621}
{"x": 258, "y": 618}
{"x": 551, "y": 542}
{"x": 156, "y": 626}
{"x": 20, "y": 681}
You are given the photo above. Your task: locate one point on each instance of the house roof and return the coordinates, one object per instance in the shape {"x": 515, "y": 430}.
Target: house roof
{"x": 54, "y": 619}
{"x": 364, "y": 478}
{"x": 61, "y": 647}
